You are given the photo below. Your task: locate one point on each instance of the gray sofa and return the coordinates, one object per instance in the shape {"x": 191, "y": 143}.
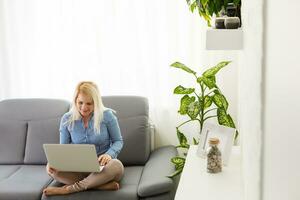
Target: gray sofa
{"x": 26, "y": 124}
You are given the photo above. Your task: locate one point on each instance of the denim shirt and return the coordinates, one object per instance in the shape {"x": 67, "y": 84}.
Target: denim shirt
{"x": 109, "y": 140}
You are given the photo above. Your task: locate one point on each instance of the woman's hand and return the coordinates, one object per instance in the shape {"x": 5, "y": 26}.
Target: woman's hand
{"x": 50, "y": 170}
{"x": 104, "y": 159}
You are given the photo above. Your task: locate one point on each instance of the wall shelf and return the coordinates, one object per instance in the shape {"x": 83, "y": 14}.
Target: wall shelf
{"x": 224, "y": 39}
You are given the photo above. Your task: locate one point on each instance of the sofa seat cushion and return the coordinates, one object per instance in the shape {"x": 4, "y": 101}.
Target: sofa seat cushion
{"x": 22, "y": 181}
{"x": 154, "y": 180}
{"x": 127, "y": 191}
{"x": 7, "y": 170}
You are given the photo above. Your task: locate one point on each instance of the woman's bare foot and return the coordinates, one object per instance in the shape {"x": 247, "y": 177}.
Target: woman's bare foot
{"x": 113, "y": 185}
{"x": 56, "y": 191}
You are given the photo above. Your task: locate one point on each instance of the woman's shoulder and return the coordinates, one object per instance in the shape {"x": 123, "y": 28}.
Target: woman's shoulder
{"x": 66, "y": 117}
{"x": 109, "y": 114}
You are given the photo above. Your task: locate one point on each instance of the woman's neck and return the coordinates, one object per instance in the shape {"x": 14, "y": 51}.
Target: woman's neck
{"x": 86, "y": 121}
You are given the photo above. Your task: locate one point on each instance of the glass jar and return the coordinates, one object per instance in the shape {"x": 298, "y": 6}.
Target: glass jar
{"x": 214, "y": 156}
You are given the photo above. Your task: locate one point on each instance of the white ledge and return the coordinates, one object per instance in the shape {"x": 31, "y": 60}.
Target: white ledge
{"x": 224, "y": 39}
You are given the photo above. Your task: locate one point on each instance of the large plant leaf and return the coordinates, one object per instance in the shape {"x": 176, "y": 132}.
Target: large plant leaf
{"x": 177, "y": 160}
{"x": 200, "y": 79}
{"x": 184, "y": 146}
{"x": 179, "y": 166}
{"x": 181, "y": 137}
{"x": 193, "y": 6}
{"x": 184, "y": 104}
{"x": 183, "y": 67}
{"x": 220, "y": 101}
{"x": 236, "y": 134}
{"x": 206, "y": 16}
{"x": 177, "y": 172}
{"x": 231, "y": 122}
{"x": 207, "y": 101}
{"x": 193, "y": 109}
{"x": 212, "y": 71}
{"x": 224, "y": 118}
{"x": 204, "y": 2}
{"x": 182, "y": 90}
{"x": 199, "y": 5}
{"x": 196, "y": 142}
{"x": 210, "y": 82}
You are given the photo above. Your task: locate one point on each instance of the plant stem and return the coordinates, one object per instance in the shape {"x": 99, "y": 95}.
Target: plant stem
{"x": 187, "y": 122}
{"x": 210, "y": 117}
{"x": 210, "y": 110}
{"x": 202, "y": 108}
{"x": 196, "y": 95}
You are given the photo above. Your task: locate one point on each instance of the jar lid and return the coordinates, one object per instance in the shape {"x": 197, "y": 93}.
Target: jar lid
{"x": 214, "y": 141}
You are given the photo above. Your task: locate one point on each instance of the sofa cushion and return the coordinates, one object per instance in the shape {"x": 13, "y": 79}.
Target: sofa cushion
{"x": 127, "y": 106}
{"x": 154, "y": 179}
{"x": 132, "y": 113}
{"x": 136, "y": 136}
{"x": 14, "y": 115}
{"x": 40, "y": 132}
{"x": 127, "y": 191}
{"x": 32, "y": 109}
{"x": 7, "y": 170}
{"x": 27, "y": 182}
{"x": 12, "y": 142}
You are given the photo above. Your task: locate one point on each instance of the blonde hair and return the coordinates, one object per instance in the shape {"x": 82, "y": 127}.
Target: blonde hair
{"x": 90, "y": 89}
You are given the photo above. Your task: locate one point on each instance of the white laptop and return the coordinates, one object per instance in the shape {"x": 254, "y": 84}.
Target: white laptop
{"x": 72, "y": 157}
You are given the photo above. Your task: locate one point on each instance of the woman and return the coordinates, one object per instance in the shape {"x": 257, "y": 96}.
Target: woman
{"x": 89, "y": 122}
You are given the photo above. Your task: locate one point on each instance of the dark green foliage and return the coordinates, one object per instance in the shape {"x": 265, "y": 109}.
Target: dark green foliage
{"x": 207, "y": 8}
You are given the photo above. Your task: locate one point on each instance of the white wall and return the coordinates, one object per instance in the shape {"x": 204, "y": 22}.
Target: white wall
{"x": 249, "y": 99}
{"x": 281, "y": 148}
{"x": 50, "y": 44}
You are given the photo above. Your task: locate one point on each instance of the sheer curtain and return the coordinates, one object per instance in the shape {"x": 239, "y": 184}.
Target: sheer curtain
{"x": 125, "y": 46}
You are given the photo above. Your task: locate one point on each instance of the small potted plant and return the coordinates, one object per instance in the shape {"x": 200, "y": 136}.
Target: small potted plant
{"x": 207, "y": 9}
{"x": 200, "y": 104}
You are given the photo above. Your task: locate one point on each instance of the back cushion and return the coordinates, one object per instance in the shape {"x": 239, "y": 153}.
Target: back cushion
{"x": 136, "y": 140}
{"x": 132, "y": 114}
{"x": 25, "y": 125}
{"x": 32, "y": 109}
{"x": 12, "y": 141}
{"x": 40, "y": 132}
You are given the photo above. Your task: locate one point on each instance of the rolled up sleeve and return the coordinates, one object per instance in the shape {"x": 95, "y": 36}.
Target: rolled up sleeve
{"x": 115, "y": 136}
{"x": 64, "y": 134}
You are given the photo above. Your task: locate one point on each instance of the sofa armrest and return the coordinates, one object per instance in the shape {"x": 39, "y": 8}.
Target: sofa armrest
{"x": 154, "y": 178}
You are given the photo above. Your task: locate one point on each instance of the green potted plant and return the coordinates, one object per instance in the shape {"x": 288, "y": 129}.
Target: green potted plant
{"x": 200, "y": 104}
{"x": 208, "y": 8}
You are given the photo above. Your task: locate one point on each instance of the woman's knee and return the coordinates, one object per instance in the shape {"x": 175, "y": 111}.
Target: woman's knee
{"x": 115, "y": 163}
{"x": 117, "y": 168}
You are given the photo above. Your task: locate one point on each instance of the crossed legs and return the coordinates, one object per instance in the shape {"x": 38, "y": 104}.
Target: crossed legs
{"x": 107, "y": 179}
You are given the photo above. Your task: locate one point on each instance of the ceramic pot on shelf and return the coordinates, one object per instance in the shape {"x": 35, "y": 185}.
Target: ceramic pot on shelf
{"x": 219, "y": 23}
{"x": 232, "y": 22}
